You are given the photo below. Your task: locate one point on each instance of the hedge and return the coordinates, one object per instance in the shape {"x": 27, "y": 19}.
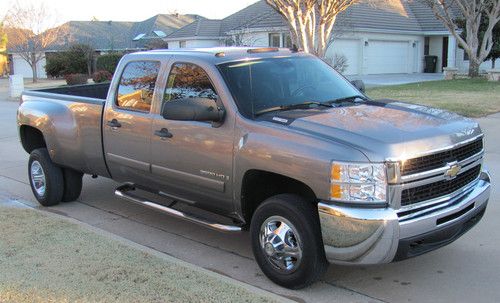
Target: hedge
{"x": 108, "y": 62}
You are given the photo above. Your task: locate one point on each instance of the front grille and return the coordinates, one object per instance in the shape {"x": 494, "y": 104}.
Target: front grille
{"x": 425, "y": 163}
{"x": 437, "y": 189}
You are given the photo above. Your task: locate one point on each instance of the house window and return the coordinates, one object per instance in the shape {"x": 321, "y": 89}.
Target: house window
{"x": 287, "y": 40}
{"x": 182, "y": 44}
{"x": 426, "y": 46}
{"x": 274, "y": 40}
{"x": 466, "y": 56}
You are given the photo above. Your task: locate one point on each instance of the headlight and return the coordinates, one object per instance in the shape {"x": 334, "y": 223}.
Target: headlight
{"x": 358, "y": 183}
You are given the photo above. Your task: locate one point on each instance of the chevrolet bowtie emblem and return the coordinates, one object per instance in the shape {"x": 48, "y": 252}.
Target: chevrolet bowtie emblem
{"x": 453, "y": 171}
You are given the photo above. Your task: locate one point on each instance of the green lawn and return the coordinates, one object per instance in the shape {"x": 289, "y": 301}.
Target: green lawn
{"x": 47, "y": 259}
{"x": 472, "y": 98}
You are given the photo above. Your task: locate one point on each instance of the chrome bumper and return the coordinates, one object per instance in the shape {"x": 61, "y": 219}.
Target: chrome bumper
{"x": 372, "y": 236}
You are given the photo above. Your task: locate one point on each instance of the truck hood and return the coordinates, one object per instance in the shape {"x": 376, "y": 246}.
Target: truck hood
{"x": 387, "y": 129}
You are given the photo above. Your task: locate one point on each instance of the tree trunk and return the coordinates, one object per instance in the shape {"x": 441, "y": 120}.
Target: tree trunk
{"x": 33, "y": 68}
{"x": 493, "y": 63}
{"x": 473, "y": 68}
{"x": 89, "y": 69}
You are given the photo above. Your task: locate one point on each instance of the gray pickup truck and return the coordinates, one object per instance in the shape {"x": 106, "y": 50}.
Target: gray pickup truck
{"x": 268, "y": 140}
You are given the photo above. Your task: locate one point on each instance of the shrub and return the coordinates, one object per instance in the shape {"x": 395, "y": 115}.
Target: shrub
{"x": 338, "y": 62}
{"x": 76, "y": 60}
{"x": 55, "y": 64}
{"x": 74, "y": 79}
{"x": 102, "y": 76}
{"x": 79, "y": 59}
{"x": 108, "y": 62}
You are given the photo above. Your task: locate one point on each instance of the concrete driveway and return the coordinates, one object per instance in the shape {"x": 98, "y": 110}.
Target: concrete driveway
{"x": 465, "y": 271}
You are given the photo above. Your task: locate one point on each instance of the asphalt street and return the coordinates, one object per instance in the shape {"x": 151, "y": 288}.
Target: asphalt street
{"x": 468, "y": 270}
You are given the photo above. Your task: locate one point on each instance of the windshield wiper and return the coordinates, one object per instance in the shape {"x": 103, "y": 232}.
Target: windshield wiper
{"x": 304, "y": 105}
{"x": 347, "y": 99}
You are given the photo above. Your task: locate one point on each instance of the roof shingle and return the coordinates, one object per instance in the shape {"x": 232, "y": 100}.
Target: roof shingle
{"x": 199, "y": 28}
{"x": 402, "y": 15}
{"x": 119, "y": 35}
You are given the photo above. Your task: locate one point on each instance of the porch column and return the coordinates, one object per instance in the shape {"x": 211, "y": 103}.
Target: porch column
{"x": 452, "y": 51}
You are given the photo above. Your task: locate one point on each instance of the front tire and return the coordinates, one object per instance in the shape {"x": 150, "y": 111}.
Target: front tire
{"x": 286, "y": 241}
{"x": 46, "y": 178}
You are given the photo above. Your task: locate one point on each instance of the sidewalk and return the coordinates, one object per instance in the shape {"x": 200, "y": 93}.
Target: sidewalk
{"x": 395, "y": 79}
{"x": 28, "y": 84}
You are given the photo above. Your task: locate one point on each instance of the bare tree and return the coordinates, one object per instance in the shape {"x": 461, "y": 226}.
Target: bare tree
{"x": 477, "y": 45}
{"x": 244, "y": 37}
{"x": 29, "y": 37}
{"x": 311, "y": 21}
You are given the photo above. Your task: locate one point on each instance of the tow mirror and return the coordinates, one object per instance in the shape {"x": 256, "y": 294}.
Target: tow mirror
{"x": 359, "y": 84}
{"x": 192, "y": 109}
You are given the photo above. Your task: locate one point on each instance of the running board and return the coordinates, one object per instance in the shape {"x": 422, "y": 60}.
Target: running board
{"x": 124, "y": 192}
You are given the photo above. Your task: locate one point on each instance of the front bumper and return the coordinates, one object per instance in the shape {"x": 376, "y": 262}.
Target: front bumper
{"x": 372, "y": 236}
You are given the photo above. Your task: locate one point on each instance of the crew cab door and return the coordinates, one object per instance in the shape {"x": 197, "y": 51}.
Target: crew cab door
{"x": 127, "y": 122}
{"x": 194, "y": 162}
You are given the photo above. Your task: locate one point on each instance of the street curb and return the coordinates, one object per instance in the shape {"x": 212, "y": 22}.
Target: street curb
{"x": 252, "y": 289}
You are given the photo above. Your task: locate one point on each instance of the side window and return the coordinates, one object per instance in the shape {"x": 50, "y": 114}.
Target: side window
{"x": 137, "y": 85}
{"x": 188, "y": 81}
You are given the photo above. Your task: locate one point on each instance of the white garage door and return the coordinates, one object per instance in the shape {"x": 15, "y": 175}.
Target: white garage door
{"x": 350, "y": 49}
{"x": 387, "y": 57}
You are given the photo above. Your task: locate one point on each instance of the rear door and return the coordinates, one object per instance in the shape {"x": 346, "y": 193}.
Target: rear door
{"x": 195, "y": 163}
{"x": 127, "y": 122}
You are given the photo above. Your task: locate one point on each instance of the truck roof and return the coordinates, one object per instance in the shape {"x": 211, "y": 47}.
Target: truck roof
{"x": 217, "y": 55}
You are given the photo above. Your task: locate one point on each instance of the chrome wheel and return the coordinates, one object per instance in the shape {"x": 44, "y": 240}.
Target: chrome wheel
{"x": 38, "y": 178}
{"x": 281, "y": 244}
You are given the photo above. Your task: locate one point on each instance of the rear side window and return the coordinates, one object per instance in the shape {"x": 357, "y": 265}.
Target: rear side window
{"x": 188, "y": 81}
{"x": 137, "y": 85}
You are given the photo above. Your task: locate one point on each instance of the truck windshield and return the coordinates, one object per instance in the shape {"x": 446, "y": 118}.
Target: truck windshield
{"x": 263, "y": 84}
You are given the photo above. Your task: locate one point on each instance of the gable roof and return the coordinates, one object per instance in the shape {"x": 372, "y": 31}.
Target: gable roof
{"x": 12, "y": 33}
{"x": 425, "y": 17}
{"x": 102, "y": 35}
{"x": 119, "y": 35}
{"x": 382, "y": 15}
{"x": 199, "y": 28}
{"x": 165, "y": 24}
{"x": 260, "y": 13}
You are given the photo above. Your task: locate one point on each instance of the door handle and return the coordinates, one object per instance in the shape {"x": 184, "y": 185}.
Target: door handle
{"x": 114, "y": 123}
{"x": 163, "y": 133}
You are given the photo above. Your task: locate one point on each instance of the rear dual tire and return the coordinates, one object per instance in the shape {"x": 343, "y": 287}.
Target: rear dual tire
{"x": 49, "y": 182}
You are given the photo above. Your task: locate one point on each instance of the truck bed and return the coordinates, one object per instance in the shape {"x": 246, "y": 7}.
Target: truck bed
{"x": 95, "y": 91}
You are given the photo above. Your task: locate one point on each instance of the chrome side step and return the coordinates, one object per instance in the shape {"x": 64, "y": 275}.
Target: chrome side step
{"x": 125, "y": 192}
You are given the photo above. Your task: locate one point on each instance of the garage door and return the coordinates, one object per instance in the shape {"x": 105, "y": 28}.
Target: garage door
{"x": 350, "y": 49}
{"x": 387, "y": 57}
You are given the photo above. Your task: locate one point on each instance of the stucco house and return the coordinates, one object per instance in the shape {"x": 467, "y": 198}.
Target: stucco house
{"x": 376, "y": 37}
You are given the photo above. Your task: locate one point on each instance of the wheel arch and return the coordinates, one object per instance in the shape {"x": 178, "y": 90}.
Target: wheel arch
{"x": 258, "y": 185}
{"x": 31, "y": 138}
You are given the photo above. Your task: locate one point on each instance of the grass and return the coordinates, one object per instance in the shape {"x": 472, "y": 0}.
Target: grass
{"x": 47, "y": 259}
{"x": 468, "y": 97}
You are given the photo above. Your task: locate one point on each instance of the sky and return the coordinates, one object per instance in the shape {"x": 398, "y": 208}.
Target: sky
{"x": 127, "y": 10}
